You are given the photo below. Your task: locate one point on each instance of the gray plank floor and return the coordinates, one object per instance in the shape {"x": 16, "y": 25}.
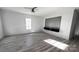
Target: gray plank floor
{"x": 34, "y": 42}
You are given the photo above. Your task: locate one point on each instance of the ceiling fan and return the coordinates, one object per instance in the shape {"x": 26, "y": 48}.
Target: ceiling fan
{"x": 33, "y": 9}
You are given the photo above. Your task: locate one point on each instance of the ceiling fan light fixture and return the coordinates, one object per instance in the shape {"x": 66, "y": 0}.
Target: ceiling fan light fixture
{"x": 33, "y": 9}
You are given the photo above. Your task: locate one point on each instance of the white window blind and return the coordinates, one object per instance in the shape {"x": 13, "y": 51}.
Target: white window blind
{"x": 28, "y": 23}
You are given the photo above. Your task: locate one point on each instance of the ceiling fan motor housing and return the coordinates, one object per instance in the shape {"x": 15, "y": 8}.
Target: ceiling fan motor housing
{"x": 33, "y": 9}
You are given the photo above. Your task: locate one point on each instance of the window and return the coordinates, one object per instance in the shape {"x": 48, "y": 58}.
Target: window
{"x": 28, "y": 23}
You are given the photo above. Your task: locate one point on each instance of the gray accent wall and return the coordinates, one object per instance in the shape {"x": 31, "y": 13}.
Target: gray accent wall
{"x": 77, "y": 24}
{"x": 74, "y": 27}
{"x": 1, "y": 28}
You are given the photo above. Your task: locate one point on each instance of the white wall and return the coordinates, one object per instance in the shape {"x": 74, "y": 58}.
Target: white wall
{"x": 14, "y": 23}
{"x": 66, "y": 21}
{"x": 1, "y": 29}
{"x": 37, "y": 23}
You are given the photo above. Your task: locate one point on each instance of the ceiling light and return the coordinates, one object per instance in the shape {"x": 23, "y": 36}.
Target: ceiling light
{"x": 32, "y": 9}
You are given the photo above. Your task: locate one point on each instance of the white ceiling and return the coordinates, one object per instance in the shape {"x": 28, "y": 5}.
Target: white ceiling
{"x": 40, "y": 11}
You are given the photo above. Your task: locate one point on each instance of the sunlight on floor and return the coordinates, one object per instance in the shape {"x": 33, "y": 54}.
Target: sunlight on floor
{"x": 57, "y": 44}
